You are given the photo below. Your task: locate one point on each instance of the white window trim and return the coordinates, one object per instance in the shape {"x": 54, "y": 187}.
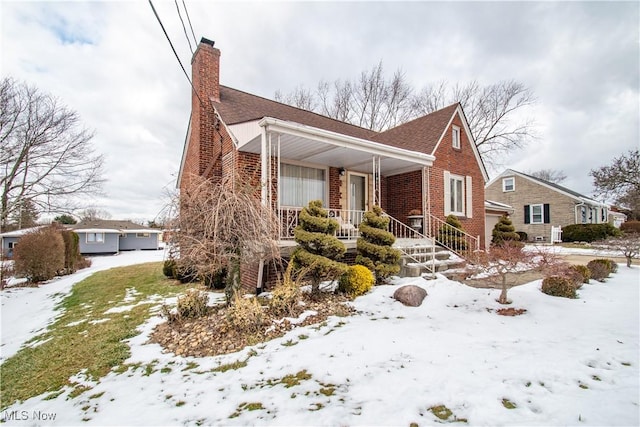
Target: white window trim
{"x": 96, "y": 241}
{"x": 531, "y": 217}
{"x": 504, "y": 184}
{"x": 142, "y": 235}
{"x": 455, "y": 137}
{"x": 463, "y": 198}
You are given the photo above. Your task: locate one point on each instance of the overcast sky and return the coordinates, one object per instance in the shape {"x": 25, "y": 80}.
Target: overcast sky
{"x": 111, "y": 63}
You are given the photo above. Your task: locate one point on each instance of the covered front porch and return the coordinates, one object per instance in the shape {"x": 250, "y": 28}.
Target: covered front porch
{"x": 300, "y": 163}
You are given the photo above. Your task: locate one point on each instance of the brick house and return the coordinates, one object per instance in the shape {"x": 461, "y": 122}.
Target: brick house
{"x": 428, "y": 166}
{"x": 538, "y": 204}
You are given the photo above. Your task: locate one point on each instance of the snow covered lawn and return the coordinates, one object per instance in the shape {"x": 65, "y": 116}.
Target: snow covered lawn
{"x": 563, "y": 362}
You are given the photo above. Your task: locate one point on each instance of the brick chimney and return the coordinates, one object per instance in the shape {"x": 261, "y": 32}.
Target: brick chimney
{"x": 205, "y": 70}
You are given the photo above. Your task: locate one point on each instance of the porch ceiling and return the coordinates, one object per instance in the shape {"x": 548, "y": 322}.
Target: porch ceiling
{"x": 306, "y": 144}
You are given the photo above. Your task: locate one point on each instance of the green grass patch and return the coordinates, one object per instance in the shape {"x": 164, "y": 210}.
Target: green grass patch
{"x": 97, "y": 348}
{"x": 245, "y": 406}
{"x": 231, "y": 366}
{"x": 289, "y": 343}
{"x": 508, "y": 404}
{"x": 441, "y": 412}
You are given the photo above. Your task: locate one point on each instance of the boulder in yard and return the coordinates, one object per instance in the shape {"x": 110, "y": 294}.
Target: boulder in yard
{"x": 410, "y": 295}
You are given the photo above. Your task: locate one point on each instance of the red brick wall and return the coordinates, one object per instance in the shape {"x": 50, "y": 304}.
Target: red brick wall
{"x": 403, "y": 194}
{"x": 459, "y": 162}
{"x": 334, "y": 188}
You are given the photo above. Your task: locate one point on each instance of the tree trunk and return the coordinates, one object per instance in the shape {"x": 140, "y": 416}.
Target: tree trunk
{"x": 233, "y": 280}
{"x": 629, "y": 261}
{"x": 503, "y": 295}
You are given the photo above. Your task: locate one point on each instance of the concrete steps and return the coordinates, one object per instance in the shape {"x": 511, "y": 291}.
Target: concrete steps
{"x": 421, "y": 257}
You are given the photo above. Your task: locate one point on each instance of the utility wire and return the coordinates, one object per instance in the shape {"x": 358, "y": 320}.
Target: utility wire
{"x": 183, "y": 27}
{"x": 195, "y": 41}
{"x": 175, "y": 53}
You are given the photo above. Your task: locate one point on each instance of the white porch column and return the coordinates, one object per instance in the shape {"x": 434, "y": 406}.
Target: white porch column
{"x": 264, "y": 167}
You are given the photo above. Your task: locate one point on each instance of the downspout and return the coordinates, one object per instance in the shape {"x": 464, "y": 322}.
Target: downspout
{"x": 264, "y": 165}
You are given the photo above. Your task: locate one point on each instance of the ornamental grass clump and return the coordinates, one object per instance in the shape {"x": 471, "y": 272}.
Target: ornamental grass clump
{"x": 245, "y": 315}
{"x": 357, "y": 281}
{"x": 193, "y": 304}
{"x": 559, "y": 286}
{"x": 285, "y": 297}
{"x": 375, "y": 246}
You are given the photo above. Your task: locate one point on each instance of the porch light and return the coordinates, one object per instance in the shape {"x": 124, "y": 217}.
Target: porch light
{"x": 341, "y": 171}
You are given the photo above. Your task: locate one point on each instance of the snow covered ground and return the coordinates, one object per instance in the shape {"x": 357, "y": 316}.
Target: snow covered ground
{"x": 26, "y": 312}
{"x": 563, "y": 362}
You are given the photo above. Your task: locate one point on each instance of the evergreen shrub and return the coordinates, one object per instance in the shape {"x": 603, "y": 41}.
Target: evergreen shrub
{"x": 504, "y": 231}
{"x": 357, "y": 281}
{"x": 581, "y": 273}
{"x": 588, "y": 232}
{"x": 452, "y": 237}
{"x": 169, "y": 268}
{"x": 523, "y": 236}
{"x": 216, "y": 280}
{"x": 375, "y": 246}
{"x": 559, "y": 286}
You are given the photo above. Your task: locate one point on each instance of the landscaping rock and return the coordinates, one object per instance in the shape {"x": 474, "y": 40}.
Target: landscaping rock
{"x": 410, "y": 295}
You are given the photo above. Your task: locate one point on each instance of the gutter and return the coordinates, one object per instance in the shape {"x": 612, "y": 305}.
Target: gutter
{"x": 346, "y": 141}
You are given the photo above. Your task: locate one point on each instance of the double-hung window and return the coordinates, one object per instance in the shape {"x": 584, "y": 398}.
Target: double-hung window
{"x": 508, "y": 184}
{"x": 456, "y": 198}
{"x": 537, "y": 214}
{"x": 95, "y": 237}
{"x": 455, "y": 137}
{"x": 301, "y": 184}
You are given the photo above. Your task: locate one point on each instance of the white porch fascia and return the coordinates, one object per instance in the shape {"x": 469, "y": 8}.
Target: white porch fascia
{"x": 346, "y": 141}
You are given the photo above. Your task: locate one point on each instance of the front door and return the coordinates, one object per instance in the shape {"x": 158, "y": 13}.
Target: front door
{"x": 357, "y": 197}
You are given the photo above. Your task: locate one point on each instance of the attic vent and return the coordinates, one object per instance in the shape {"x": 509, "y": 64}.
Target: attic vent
{"x": 539, "y": 238}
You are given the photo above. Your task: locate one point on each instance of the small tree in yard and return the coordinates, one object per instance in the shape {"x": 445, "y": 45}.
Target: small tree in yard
{"x": 223, "y": 225}
{"x": 502, "y": 260}
{"x": 374, "y": 246}
{"x": 628, "y": 244}
{"x": 504, "y": 231}
{"x": 40, "y": 254}
{"x": 318, "y": 249}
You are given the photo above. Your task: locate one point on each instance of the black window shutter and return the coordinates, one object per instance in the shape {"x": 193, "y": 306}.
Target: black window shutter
{"x": 526, "y": 215}
{"x": 547, "y": 219}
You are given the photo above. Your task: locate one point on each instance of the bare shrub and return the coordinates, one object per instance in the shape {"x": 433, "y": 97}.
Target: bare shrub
{"x": 245, "y": 315}
{"x": 40, "y": 255}
{"x": 599, "y": 270}
{"x": 191, "y": 305}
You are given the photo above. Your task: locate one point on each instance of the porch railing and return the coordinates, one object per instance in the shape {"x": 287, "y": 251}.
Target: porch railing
{"x": 458, "y": 241}
{"x": 347, "y": 219}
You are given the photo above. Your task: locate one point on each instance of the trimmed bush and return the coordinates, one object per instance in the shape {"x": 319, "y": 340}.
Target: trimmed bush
{"x": 599, "y": 268}
{"x": 40, "y": 255}
{"x": 375, "y": 246}
{"x": 216, "y": 280}
{"x": 523, "y": 236}
{"x": 559, "y": 286}
{"x": 193, "y": 304}
{"x": 72, "y": 257}
{"x": 453, "y": 238}
{"x": 588, "y": 232}
{"x": 357, "y": 281}
{"x": 582, "y": 274}
{"x": 630, "y": 227}
{"x": 318, "y": 248}
{"x": 169, "y": 268}
{"x": 504, "y": 231}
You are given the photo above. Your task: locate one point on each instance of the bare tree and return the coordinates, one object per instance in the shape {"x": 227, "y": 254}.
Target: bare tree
{"x": 627, "y": 243}
{"x": 374, "y": 102}
{"x": 46, "y": 155}
{"x": 222, "y": 225}
{"x": 620, "y": 180}
{"x": 92, "y": 214}
{"x": 493, "y": 112}
{"x": 551, "y": 175}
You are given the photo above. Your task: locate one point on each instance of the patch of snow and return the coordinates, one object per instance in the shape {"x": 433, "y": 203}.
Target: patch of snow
{"x": 98, "y": 321}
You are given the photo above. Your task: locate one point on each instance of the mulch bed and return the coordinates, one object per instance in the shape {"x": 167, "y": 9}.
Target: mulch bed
{"x": 511, "y": 311}
{"x": 213, "y": 335}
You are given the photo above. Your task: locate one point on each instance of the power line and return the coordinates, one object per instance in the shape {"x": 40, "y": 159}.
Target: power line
{"x": 195, "y": 41}
{"x": 183, "y": 27}
{"x": 174, "y": 52}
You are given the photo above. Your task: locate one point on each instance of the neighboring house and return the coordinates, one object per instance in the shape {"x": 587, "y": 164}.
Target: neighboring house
{"x": 493, "y": 212}
{"x": 111, "y": 236}
{"x": 430, "y": 164}
{"x": 9, "y": 240}
{"x": 616, "y": 218}
{"x": 538, "y": 204}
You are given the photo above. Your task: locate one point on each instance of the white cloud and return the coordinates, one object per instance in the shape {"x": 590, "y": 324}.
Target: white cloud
{"x": 110, "y": 62}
